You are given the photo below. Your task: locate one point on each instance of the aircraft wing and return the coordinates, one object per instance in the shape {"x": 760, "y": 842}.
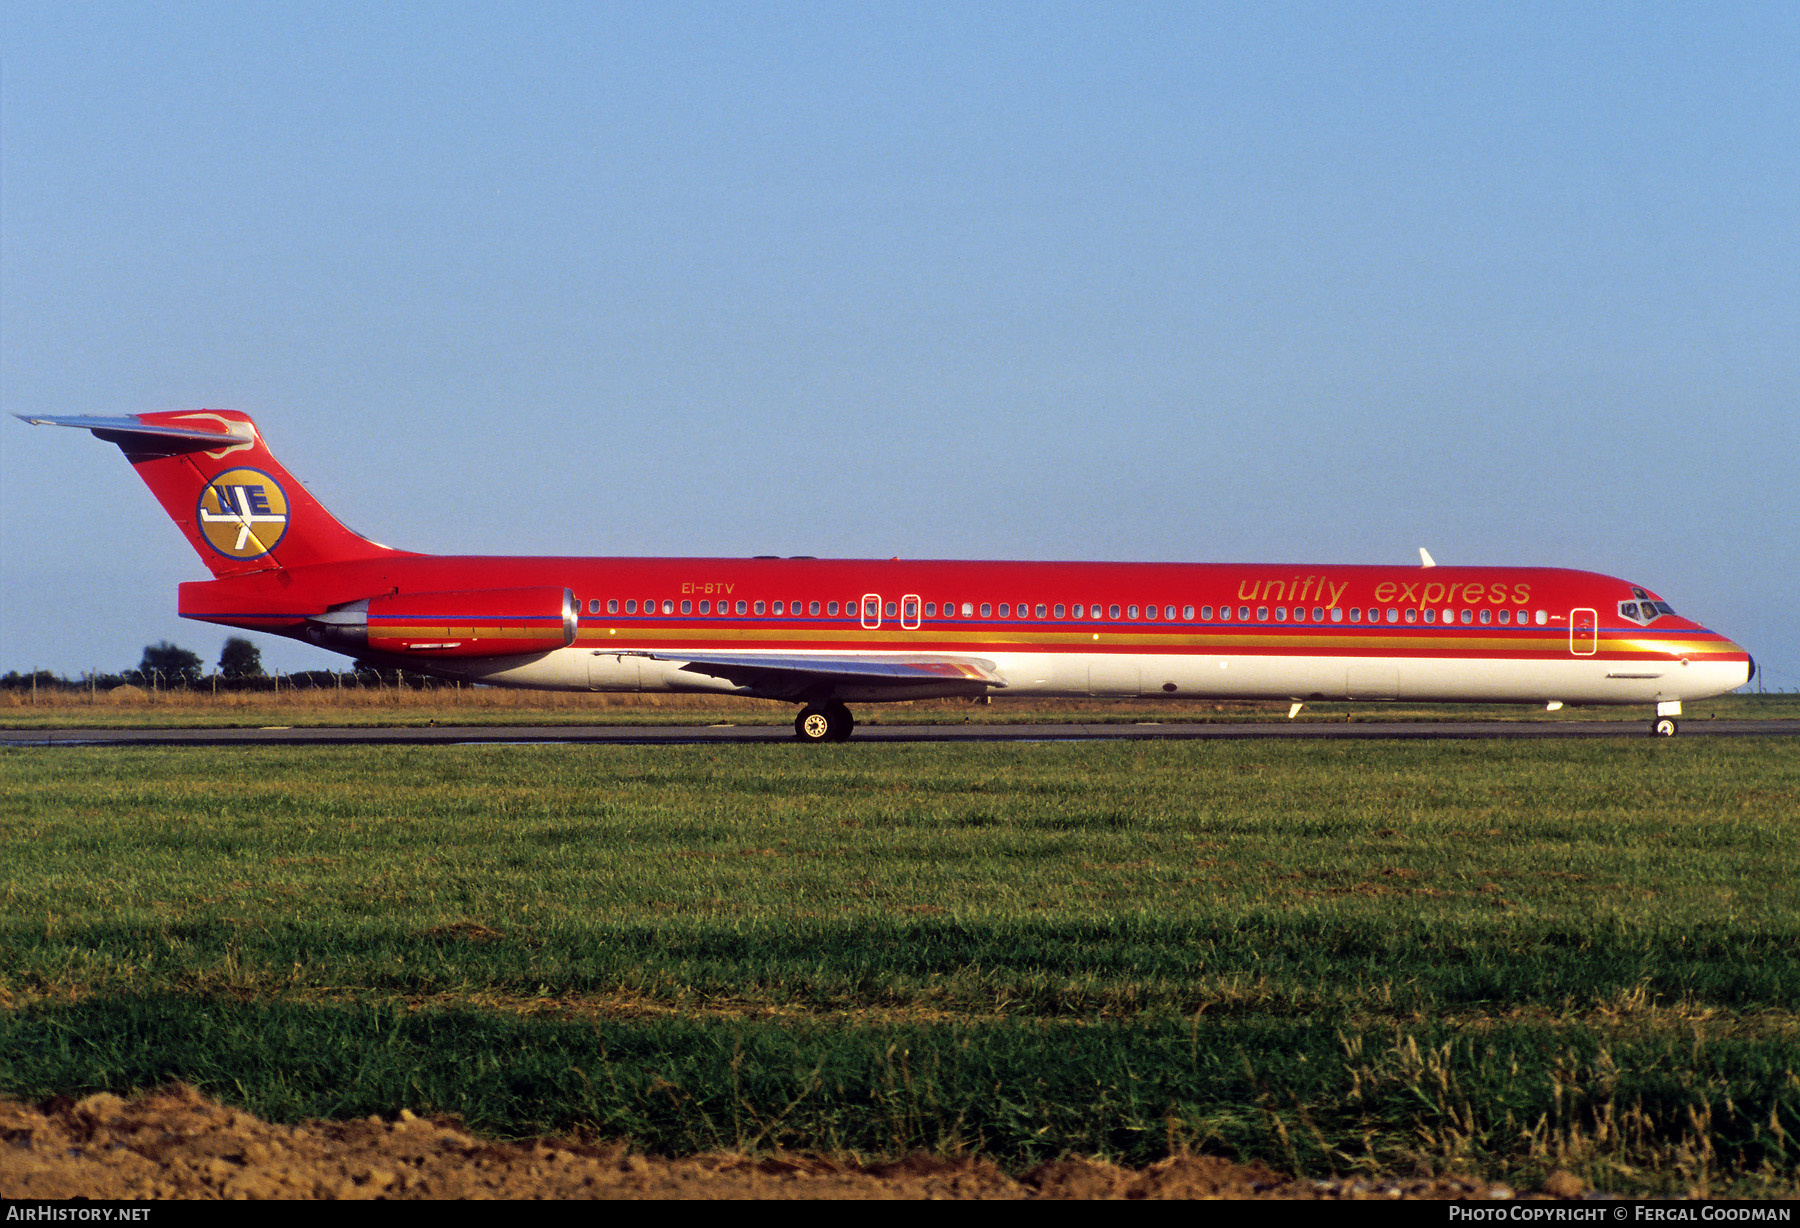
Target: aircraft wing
{"x": 796, "y": 673}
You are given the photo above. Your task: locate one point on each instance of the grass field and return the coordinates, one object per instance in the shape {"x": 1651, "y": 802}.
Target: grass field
{"x": 352, "y": 705}
{"x": 1503, "y": 957}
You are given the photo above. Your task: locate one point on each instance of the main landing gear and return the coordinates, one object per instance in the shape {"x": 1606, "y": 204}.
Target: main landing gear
{"x": 830, "y": 722}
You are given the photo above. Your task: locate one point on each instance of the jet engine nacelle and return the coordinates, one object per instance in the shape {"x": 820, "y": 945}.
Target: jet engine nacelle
{"x": 497, "y": 622}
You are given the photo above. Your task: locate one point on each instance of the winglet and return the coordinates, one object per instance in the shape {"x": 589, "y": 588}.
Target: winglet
{"x": 1425, "y": 559}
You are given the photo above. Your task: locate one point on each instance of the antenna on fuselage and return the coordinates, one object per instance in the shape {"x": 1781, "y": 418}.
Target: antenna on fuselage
{"x": 1425, "y": 559}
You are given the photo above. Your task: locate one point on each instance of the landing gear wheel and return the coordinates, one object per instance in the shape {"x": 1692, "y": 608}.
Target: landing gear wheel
{"x": 1664, "y": 727}
{"x": 824, "y": 723}
{"x": 841, "y": 722}
{"x": 812, "y": 725}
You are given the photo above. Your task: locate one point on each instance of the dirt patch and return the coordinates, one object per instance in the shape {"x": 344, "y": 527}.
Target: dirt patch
{"x": 176, "y": 1143}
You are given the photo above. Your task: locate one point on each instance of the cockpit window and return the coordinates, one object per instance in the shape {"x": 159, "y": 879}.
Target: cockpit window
{"x": 1644, "y": 611}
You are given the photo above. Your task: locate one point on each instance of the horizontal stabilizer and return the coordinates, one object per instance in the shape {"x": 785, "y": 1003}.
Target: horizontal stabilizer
{"x": 130, "y": 429}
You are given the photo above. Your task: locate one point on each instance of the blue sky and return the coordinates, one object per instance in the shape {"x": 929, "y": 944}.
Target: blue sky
{"x": 1261, "y": 282}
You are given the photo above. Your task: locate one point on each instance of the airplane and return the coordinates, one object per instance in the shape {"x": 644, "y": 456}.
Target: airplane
{"x": 822, "y": 633}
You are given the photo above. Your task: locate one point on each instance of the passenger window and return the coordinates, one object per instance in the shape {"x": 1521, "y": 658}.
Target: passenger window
{"x": 778, "y": 608}
{"x": 594, "y": 605}
{"x": 612, "y": 605}
{"x": 1280, "y": 613}
{"x": 631, "y": 607}
{"x": 1393, "y": 615}
{"x": 1243, "y": 613}
{"x": 1040, "y": 611}
{"x": 668, "y": 606}
{"x": 1543, "y": 616}
{"x": 706, "y": 607}
{"x": 1431, "y": 616}
{"x": 1187, "y": 611}
{"x": 1262, "y": 613}
{"x": 741, "y": 609}
{"x": 931, "y": 609}
{"x": 1113, "y": 612}
{"x": 1318, "y": 614}
{"x": 812, "y": 608}
{"x": 687, "y": 607}
{"x": 1337, "y": 613}
{"x": 1355, "y": 613}
{"x": 987, "y": 610}
{"x": 891, "y": 609}
{"x": 968, "y": 609}
{"x": 1468, "y": 616}
{"x": 1487, "y": 616}
{"x": 1061, "y": 611}
{"x": 830, "y": 608}
{"x": 1131, "y": 612}
{"x": 1505, "y": 618}
{"x": 1005, "y": 609}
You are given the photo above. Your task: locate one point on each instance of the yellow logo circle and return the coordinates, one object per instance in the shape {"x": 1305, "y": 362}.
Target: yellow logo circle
{"x": 243, "y": 513}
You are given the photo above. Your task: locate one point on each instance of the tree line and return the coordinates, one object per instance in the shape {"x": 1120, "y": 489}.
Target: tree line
{"x": 169, "y": 667}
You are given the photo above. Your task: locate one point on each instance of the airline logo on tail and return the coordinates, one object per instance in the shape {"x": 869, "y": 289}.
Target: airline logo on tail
{"x": 243, "y": 513}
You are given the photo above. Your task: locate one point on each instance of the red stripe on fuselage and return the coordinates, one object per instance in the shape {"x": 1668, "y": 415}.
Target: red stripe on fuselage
{"x": 282, "y": 601}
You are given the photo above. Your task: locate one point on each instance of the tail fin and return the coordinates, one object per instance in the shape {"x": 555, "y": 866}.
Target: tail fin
{"x": 241, "y": 511}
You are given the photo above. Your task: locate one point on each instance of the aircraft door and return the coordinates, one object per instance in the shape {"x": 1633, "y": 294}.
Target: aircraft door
{"x": 1584, "y": 632}
{"x": 871, "y": 611}
{"x": 909, "y": 612}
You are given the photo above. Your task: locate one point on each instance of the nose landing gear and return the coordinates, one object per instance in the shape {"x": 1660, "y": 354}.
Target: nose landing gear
{"x": 1665, "y": 726}
{"x": 829, "y": 722}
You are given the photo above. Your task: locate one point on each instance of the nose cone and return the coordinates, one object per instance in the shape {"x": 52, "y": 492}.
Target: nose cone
{"x": 1739, "y": 660}
{"x": 1713, "y": 665}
